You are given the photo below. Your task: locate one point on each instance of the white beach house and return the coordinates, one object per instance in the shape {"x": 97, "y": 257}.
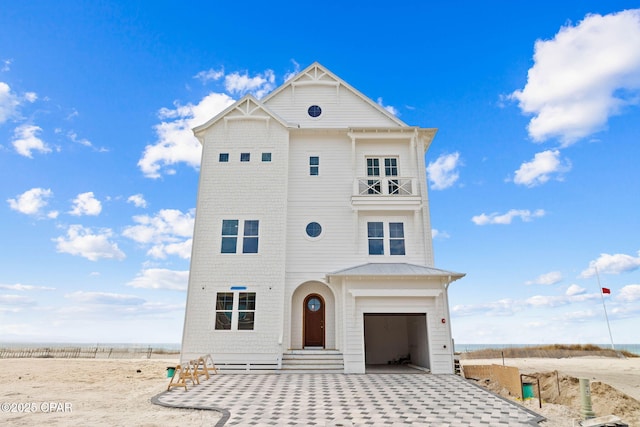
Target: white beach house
{"x": 312, "y": 245}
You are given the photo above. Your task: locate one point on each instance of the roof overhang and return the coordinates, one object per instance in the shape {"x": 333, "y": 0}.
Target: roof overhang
{"x": 395, "y": 270}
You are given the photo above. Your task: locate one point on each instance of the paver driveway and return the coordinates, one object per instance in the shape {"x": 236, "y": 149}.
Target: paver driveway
{"x": 348, "y": 400}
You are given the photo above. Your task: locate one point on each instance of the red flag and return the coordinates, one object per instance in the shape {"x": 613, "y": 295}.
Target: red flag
{"x": 606, "y": 290}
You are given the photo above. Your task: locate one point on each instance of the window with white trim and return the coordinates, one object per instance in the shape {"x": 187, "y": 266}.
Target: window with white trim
{"x": 232, "y": 229}
{"x": 314, "y": 165}
{"x": 379, "y": 245}
{"x": 235, "y": 311}
{"x": 374, "y": 169}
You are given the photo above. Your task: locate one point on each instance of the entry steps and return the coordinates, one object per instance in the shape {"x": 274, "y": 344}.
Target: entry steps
{"x": 312, "y": 362}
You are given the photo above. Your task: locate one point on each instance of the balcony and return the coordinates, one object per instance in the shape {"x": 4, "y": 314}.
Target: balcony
{"x": 386, "y": 193}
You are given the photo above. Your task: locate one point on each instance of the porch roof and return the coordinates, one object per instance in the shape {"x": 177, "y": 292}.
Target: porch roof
{"x": 395, "y": 270}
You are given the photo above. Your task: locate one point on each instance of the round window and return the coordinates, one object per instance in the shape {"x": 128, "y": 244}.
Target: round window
{"x": 314, "y": 229}
{"x": 314, "y": 304}
{"x": 314, "y": 111}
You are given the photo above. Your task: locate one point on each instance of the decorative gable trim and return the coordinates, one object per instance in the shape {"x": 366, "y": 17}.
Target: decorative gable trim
{"x": 317, "y": 75}
{"x": 247, "y": 108}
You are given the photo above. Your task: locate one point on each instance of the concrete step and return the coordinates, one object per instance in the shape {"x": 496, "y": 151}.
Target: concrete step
{"x": 312, "y": 361}
{"x": 312, "y": 353}
{"x": 311, "y": 371}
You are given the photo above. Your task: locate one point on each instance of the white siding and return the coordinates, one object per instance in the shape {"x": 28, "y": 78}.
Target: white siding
{"x": 253, "y": 190}
{"x": 341, "y": 108}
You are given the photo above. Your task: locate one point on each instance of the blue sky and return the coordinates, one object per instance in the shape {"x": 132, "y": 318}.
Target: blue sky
{"x": 533, "y": 173}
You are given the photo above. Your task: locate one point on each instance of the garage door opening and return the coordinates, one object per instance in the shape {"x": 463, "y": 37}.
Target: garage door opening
{"x": 395, "y": 340}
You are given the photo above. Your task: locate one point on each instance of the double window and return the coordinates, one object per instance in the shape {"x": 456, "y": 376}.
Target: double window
{"x": 379, "y": 245}
{"x": 235, "y": 311}
{"x": 247, "y": 230}
{"x": 374, "y": 170}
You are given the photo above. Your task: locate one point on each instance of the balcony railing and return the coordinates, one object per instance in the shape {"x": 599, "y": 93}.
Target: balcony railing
{"x": 385, "y": 186}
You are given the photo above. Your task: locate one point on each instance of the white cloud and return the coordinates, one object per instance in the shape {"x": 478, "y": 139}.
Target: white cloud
{"x": 629, "y": 293}
{"x": 9, "y": 103}
{"x": 6, "y": 65}
{"x": 541, "y": 168}
{"x": 86, "y": 204}
{"x": 181, "y": 249}
{"x": 258, "y": 86}
{"x": 26, "y": 139}
{"x": 176, "y": 142}
{"x": 574, "y": 290}
{"x": 160, "y": 278}
{"x": 137, "y": 200}
{"x": 31, "y": 97}
{"x": 85, "y": 142}
{"x": 83, "y": 242}
{"x": 210, "y": 74}
{"x": 390, "y": 109}
{"x": 503, "y": 307}
{"x": 443, "y": 172}
{"x": 584, "y": 75}
{"x": 31, "y": 202}
{"x": 105, "y": 298}
{"x": 21, "y": 287}
{"x": 439, "y": 234}
{"x": 612, "y": 264}
{"x": 291, "y": 74}
{"x": 12, "y": 300}
{"x": 524, "y": 214}
{"x": 550, "y": 278}
{"x": 169, "y": 232}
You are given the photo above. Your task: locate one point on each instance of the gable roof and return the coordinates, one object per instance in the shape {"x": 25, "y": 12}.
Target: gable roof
{"x": 395, "y": 270}
{"x": 318, "y": 74}
{"x": 246, "y": 108}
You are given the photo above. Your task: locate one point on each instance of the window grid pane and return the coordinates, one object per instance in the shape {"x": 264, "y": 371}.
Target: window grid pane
{"x": 391, "y": 167}
{"x": 375, "y": 233}
{"x": 246, "y": 310}
{"x": 373, "y": 167}
{"x": 229, "y": 227}
{"x": 224, "y": 313}
{"x": 224, "y": 157}
{"x": 266, "y": 157}
{"x": 245, "y": 157}
{"x": 314, "y": 165}
{"x": 229, "y": 233}
{"x": 250, "y": 240}
{"x": 396, "y": 238}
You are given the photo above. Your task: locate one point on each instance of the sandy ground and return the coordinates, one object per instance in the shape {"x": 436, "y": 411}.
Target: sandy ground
{"x": 615, "y": 386}
{"x": 95, "y": 392}
{"x": 99, "y": 392}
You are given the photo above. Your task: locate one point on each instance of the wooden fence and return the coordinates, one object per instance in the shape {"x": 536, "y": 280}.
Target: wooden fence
{"x": 93, "y": 352}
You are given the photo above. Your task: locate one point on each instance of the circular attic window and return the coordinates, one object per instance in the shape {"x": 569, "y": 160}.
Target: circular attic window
{"x": 313, "y": 229}
{"x": 314, "y": 111}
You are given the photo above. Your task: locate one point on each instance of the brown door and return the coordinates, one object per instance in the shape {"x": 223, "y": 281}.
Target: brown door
{"x": 314, "y": 321}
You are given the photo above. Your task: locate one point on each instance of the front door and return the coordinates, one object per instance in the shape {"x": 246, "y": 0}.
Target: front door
{"x": 314, "y": 321}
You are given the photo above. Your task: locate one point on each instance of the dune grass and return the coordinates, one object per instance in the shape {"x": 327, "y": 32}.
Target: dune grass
{"x": 556, "y": 351}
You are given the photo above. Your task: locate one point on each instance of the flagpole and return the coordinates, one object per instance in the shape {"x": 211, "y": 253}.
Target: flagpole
{"x": 605, "y": 309}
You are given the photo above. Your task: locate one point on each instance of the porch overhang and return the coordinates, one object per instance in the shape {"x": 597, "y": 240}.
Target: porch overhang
{"x": 395, "y": 270}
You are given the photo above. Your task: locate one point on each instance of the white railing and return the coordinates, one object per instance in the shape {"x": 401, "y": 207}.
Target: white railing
{"x": 385, "y": 186}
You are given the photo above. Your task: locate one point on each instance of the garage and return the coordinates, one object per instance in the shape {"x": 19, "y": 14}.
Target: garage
{"x": 396, "y": 339}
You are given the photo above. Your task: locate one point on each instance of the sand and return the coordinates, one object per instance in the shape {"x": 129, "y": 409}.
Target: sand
{"x": 95, "y": 392}
{"x": 100, "y": 392}
{"x": 615, "y": 386}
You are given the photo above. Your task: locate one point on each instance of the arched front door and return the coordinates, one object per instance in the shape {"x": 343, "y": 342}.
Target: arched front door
{"x": 313, "y": 321}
